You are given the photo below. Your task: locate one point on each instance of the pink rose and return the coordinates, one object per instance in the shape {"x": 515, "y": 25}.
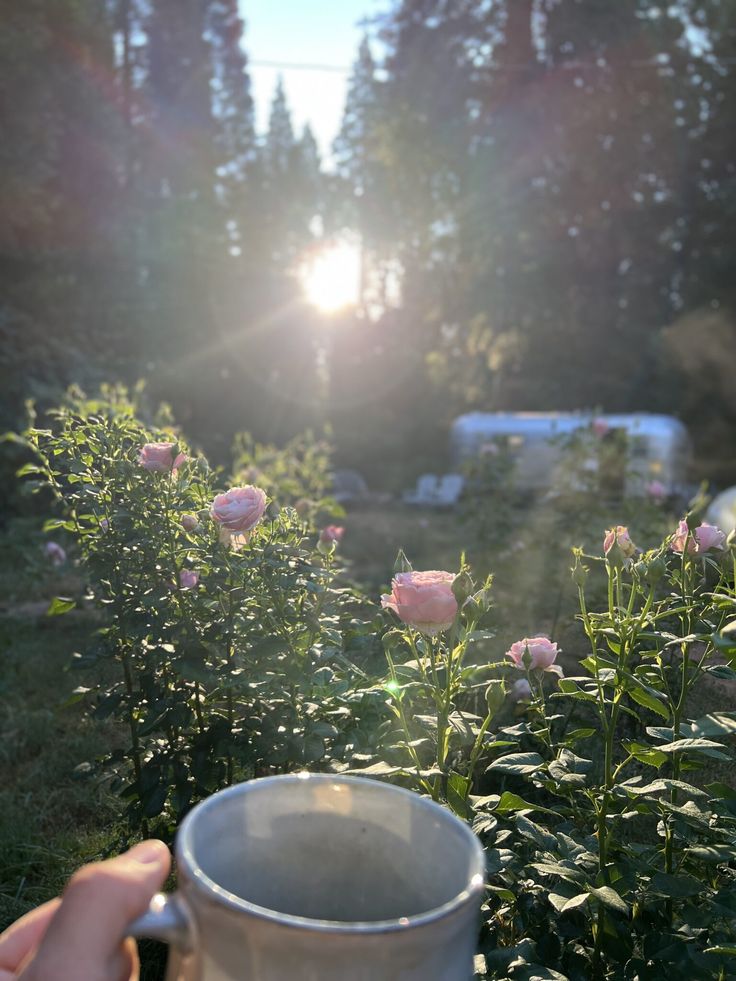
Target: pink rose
{"x": 542, "y": 654}
{"x": 188, "y": 579}
{"x": 331, "y": 535}
{"x": 656, "y": 490}
{"x": 681, "y": 541}
{"x": 423, "y": 600}
{"x": 708, "y": 536}
{"x": 54, "y": 553}
{"x": 189, "y": 522}
{"x": 239, "y": 510}
{"x": 618, "y": 544}
{"x": 521, "y": 691}
{"x": 159, "y": 457}
{"x": 699, "y": 541}
{"x": 600, "y": 428}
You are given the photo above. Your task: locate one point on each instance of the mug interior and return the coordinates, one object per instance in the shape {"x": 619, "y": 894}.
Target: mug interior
{"x": 331, "y": 848}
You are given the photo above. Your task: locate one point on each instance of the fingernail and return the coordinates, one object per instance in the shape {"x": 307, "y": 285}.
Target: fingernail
{"x": 147, "y": 852}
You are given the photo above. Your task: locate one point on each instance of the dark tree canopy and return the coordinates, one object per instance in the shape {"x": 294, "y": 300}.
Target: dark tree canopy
{"x": 543, "y": 194}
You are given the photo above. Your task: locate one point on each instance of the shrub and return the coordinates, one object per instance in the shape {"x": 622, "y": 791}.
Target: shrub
{"x": 599, "y": 796}
{"x": 609, "y": 839}
{"x": 231, "y": 661}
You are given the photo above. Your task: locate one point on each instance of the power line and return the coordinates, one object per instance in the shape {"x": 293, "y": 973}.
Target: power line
{"x": 564, "y": 65}
{"x": 300, "y": 66}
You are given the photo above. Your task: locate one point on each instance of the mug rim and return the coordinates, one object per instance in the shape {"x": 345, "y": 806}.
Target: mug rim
{"x": 211, "y": 890}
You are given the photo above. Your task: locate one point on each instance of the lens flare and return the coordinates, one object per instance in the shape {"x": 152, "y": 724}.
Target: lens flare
{"x": 331, "y": 278}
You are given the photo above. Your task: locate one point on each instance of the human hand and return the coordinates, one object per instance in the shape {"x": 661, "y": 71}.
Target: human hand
{"x": 82, "y": 934}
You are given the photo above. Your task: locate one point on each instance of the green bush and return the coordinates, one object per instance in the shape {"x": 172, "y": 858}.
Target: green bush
{"x": 600, "y": 798}
{"x": 231, "y": 661}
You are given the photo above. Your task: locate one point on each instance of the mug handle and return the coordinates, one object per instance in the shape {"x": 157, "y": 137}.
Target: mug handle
{"x": 167, "y": 918}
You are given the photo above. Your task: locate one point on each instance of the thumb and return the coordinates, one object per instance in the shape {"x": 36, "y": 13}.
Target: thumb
{"x": 85, "y": 937}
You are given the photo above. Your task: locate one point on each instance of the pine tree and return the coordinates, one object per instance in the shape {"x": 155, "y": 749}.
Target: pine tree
{"x": 233, "y": 115}
{"x": 280, "y": 141}
{"x": 310, "y": 181}
{"x": 283, "y": 185}
{"x": 59, "y": 185}
{"x": 354, "y": 147}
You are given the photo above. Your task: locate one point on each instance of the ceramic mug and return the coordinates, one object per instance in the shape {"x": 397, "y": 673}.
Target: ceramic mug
{"x": 312, "y": 877}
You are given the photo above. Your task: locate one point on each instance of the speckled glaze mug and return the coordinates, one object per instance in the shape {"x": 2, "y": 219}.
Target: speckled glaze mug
{"x": 312, "y": 877}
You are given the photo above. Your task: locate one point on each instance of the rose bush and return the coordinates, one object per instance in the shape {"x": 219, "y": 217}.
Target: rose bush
{"x": 231, "y": 662}
{"x": 609, "y": 856}
{"x": 609, "y": 830}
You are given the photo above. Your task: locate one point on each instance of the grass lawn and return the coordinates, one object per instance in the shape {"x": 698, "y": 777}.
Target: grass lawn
{"x": 53, "y": 816}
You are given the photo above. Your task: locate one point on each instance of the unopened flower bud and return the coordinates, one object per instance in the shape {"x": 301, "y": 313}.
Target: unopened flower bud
{"x": 495, "y": 696}
{"x": 579, "y": 571}
{"x": 655, "y": 570}
{"x": 462, "y": 586}
{"x": 618, "y": 547}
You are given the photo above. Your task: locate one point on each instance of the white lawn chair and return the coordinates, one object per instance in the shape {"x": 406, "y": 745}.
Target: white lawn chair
{"x": 425, "y": 492}
{"x": 449, "y": 490}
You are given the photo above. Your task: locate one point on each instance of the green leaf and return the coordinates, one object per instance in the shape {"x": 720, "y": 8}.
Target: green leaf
{"x": 76, "y": 696}
{"x": 59, "y": 606}
{"x": 576, "y": 902}
{"x": 564, "y": 870}
{"x": 28, "y": 468}
{"x": 711, "y": 853}
{"x": 575, "y": 734}
{"x": 646, "y": 754}
{"x": 658, "y": 786}
{"x": 726, "y": 951}
{"x": 379, "y": 769}
{"x": 457, "y": 792}
{"x": 706, "y": 747}
{"x": 534, "y": 832}
{"x": 714, "y": 724}
{"x": 520, "y": 764}
{"x": 568, "y": 687}
{"x": 644, "y": 697}
{"x": 512, "y": 802}
{"x": 718, "y": 789}
{"x": 610, "y": 898}
{"x": 675, "y": 886}
{"x": 689, "y": 812}
{"x": 52, "y": 524}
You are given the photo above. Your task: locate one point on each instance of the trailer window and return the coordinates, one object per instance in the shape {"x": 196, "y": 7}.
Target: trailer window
{"x": 639, "y": 447}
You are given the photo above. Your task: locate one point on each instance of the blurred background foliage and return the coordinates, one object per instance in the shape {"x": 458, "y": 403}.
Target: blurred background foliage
{"x": 543, "y": 194}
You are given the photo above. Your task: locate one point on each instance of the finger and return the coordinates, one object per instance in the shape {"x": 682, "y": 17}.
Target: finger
{"x": 131, "y": 971}
{"x": 24, "y": 936}
{"x": 85, "y": 937}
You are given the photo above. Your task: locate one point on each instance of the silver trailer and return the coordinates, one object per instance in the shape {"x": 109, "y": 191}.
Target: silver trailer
{"x": 658, "y": 446}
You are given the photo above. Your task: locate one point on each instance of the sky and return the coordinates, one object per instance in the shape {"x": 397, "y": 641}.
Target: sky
{"x": 311, "y": 32}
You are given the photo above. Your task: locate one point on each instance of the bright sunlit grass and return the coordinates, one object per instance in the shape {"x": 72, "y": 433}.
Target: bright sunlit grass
{"x": 331, "y": 278}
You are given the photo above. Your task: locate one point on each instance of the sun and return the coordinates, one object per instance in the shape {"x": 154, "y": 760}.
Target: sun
{"x": 331, "y": 278}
